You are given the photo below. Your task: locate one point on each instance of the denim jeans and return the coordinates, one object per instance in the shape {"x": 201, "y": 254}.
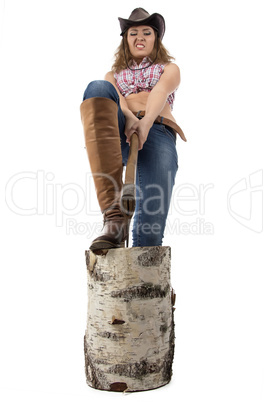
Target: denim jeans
{"x": 156, "y": 170}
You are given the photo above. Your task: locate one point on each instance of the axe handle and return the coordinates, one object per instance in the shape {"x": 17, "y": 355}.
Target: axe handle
{"x": 130, "y": 175}
{"x": 128, "y": 195}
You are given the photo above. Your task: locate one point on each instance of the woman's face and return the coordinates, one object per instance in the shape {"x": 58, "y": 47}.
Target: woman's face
{"x": 141, "y": 41}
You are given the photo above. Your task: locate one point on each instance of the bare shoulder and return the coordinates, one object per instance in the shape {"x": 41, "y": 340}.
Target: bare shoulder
{"x": 172, "y": 68}
{"x": 109, "y": 76}
{"x": 171, "y": 75}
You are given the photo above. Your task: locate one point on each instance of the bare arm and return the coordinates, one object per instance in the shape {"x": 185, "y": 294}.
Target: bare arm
{"x": 157, "y": 99}
{"x": 131, "y": 120}
{"x": 123, "y": 103}
{"x": 169, "y": 81}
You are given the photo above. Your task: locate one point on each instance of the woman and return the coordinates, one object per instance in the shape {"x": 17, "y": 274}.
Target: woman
{"x": 136, "y": 96}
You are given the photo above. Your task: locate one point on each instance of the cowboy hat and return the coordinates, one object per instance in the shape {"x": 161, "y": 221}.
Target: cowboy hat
{"x": 139, "y": 16}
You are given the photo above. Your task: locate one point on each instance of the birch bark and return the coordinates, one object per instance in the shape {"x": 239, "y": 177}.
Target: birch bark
{"x": 129, "y": 339}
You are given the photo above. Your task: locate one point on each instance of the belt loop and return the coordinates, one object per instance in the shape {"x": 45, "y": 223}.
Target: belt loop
{"x": 162, "y": 118}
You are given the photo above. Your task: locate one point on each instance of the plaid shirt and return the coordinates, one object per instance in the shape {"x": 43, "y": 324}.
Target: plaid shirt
{"x": 135, "y": 81}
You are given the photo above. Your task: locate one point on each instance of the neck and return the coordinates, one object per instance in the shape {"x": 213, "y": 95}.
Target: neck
{"x": 140, "y": 59}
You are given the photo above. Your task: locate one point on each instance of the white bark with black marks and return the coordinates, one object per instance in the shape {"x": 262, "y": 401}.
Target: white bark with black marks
{"x": 129, "y": 340}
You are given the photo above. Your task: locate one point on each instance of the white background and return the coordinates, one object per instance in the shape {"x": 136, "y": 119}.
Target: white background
{"x": 50, "y": 50}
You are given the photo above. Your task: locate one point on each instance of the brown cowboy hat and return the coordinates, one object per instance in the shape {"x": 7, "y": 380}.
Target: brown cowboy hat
{"x": 139, "y": 16}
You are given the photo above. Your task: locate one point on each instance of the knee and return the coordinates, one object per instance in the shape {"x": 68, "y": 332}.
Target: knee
{"x": 100, "y": 88}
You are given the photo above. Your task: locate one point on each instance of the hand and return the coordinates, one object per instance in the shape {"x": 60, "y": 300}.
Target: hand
{"x": 141, "y": 127}
{"x": 131, "y": 120}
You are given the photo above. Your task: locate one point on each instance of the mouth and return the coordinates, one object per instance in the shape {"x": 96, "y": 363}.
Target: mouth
{"x": 140, "y": 46}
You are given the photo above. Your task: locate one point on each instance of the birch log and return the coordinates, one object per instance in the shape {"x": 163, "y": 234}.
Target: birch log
{"x": 129, "y": 339}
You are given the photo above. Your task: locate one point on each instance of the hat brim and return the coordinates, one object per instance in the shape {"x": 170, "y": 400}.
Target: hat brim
{"x": 155, "y": 20}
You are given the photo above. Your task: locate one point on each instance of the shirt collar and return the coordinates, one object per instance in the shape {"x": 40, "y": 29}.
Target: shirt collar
{"x": 146, "y": 61}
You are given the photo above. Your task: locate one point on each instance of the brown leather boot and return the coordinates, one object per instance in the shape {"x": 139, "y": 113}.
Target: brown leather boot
{"x": 99, "y": 119}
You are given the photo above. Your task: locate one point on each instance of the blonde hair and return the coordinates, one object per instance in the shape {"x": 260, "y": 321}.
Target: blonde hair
{"x": 123, "y": 57}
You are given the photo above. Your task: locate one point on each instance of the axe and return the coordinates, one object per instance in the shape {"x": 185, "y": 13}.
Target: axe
{"x": 128, "y": 194}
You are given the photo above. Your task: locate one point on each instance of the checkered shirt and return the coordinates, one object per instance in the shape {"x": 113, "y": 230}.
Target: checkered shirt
{"x": 135, "y": 81}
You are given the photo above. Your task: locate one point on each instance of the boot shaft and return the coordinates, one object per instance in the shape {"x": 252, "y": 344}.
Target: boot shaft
{"x": 102, "y": 139}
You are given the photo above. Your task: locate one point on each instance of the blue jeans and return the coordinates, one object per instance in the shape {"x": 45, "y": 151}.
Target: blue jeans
{"x": 156, "y": 170}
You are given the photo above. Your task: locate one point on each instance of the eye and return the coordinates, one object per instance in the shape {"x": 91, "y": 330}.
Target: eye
{"x": 132, "y": 33}
{"x": 147, "y": 33}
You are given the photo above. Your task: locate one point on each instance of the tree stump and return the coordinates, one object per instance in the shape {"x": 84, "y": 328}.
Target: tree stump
{"x": 129, "y": 339}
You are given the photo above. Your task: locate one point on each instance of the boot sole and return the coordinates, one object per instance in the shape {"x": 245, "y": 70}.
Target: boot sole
{"x": 104, "y": 244}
